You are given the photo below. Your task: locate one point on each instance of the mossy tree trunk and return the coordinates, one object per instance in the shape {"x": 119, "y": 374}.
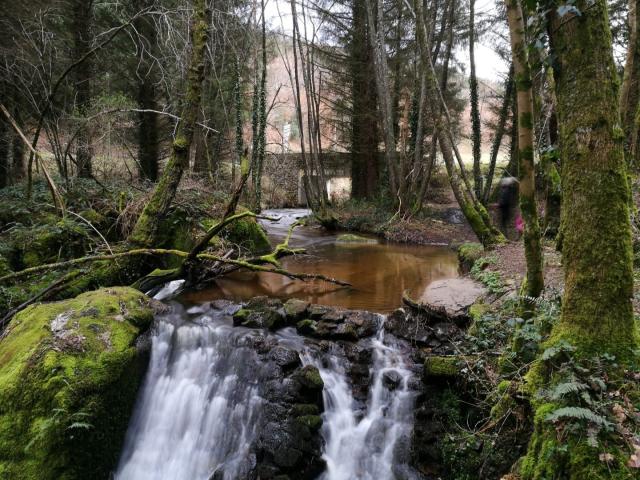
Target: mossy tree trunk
{"x": 597, "y": 316}
{"x": 528, "y": 206}
{"x": 146, "y": 229}
{"x": 596, "y": 228}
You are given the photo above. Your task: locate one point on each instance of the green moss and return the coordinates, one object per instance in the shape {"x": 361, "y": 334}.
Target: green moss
{"x": 470, "y": 252}
{"x": 69, "y": 374}
{"x": 312, "y": 422}
{"x": 246, "y": 233}
{"x": 352, "y": 238}
{"x": 309, "y": 376}
{"x": 302, "y": 409}
{"x": 306, "y": 326}
{"x": 438, "y": 366}
{"x": 50, "y": 242}
{"x": 477, "y": 310}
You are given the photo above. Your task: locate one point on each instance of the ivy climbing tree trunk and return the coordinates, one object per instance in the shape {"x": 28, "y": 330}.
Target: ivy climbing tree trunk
{"x": 146, "y": 229}
{"x": 528, "y": 206}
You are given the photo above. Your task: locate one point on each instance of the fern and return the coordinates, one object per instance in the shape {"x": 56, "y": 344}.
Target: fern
{"x": 578, "y": 413}
{"x": 563, "y": 389}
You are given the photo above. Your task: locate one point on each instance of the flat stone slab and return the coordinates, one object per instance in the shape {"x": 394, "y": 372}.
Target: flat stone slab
{"x": 450, "y": 299}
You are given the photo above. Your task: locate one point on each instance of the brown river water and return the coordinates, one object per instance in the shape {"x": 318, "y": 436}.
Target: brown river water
{"x": 379, "y": 272}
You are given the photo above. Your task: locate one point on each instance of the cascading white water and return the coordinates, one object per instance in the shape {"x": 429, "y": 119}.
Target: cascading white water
{"x": 197, "y": 413}
{"x": 364, "y": 447}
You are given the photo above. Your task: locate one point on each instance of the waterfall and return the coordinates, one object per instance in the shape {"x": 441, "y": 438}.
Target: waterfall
{"x": 199, "y": 407}
{"x": 363, "y": 445}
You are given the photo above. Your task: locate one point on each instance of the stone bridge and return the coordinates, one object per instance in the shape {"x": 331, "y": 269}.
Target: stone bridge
{"x": 284, "y": 173}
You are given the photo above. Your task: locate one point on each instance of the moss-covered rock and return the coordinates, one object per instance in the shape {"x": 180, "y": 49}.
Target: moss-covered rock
{"x": 439, "y": 366}
{"x": 309, "y": 377}
{"x": 295, "y": 309}
{"x": 306, "y": 326}
{"x": 312, "y": 422}
{"x": 469, "y": 252}
{"x": 69, "y": 374}
{"x": 352, "y": 238}
{"x": 248, "y": 234}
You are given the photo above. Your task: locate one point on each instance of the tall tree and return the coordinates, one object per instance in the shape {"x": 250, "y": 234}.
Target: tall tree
{"x": 597, "y": 315}
{"x": 147, "y": 227}
{"x": 147, "y": 76}
{"x": 364, "y": 128}
{"x": 528, "y": 205}
{"x": 476, "y": 128}
{"x": 82, "y": 38}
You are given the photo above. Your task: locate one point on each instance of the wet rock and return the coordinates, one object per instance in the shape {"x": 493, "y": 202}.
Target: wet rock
{"x": 410, "y": 327}
{"x": 263, "y": 302}
{"x": 391, "y": 379}
{"x": 317, "y": 311}
{"x": 284, "y": 357}
{"x": 449, "y": 300}
{"x": 334, "y": 315}
{"x": 351, "y": 238}
{"x": 346, "y": 331}
{"x": 268, "y": 318}
{"x": 306, "y": 327}
{"x": 295, "y": 309}
{"x": 309, "y": 377}
{"x": 366, "y": 323}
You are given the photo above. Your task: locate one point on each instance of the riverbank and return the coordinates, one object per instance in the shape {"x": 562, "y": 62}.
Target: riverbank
{"x": 441, "y": 222}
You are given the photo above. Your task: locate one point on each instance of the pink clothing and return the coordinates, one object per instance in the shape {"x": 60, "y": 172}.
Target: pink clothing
{"x": 519, "y": 223}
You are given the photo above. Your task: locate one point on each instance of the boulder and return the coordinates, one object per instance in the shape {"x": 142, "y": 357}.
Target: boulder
{"x": 449, "y": 300}
{"x": 69, "y": 376}
{"x": 295, "y": 309}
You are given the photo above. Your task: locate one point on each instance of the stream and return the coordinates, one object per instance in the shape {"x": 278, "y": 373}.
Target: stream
{"x": 207, "y": 407}
{"x": 380, "y": 272}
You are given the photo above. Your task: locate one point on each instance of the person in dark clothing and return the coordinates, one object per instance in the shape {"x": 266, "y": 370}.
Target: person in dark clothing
{"x": 507, "y": 202}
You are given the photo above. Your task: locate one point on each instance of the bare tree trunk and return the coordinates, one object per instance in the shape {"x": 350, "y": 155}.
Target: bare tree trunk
{"x": 83, "y": 77}
{"x": 527, "y": 190}
{"x": 384, "y": 93}
{"x": 5, "y": 151}
{"x": 147, "y": 76}
{"x": 364, "y": 128}
{"x": 147, "y": 228}
{"x": 499, "y": 134}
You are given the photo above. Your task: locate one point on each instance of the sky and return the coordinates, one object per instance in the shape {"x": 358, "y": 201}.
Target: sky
{"x": 489, "y": 65}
